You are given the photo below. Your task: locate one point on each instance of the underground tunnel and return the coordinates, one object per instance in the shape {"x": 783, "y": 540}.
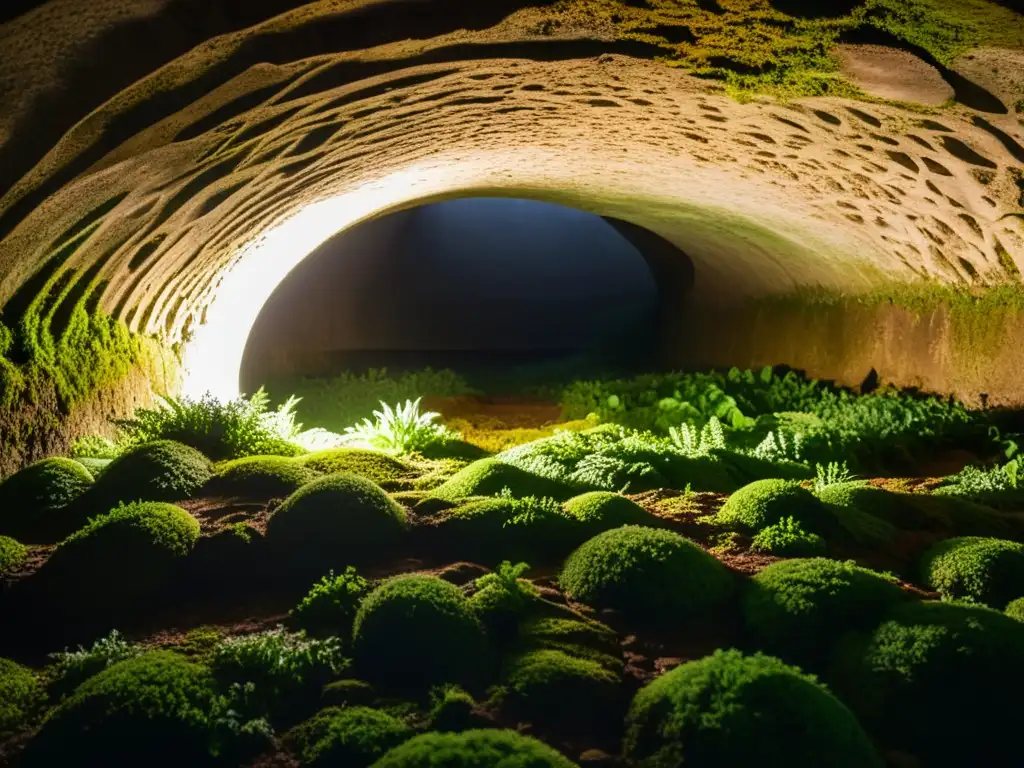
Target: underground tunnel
{"x": 761, "y": 257}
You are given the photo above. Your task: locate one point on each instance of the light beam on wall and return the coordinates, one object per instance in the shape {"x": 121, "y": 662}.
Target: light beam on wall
{"x": 212, "y": 358}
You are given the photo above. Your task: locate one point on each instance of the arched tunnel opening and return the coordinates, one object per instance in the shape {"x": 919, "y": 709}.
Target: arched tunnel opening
{"x": 723, "y": 307}
{"x": 491, "y": 287}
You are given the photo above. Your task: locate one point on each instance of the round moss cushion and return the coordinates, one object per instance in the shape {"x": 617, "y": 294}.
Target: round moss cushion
{"x": 21, "y": 695}
{"x": 651, "y": 574}
{"x": 12, "y": 554}
{"x": 602, "y": 510}
{"x": 414, "y": 631}
{"x": 766, "y": 502}
{"x": 262, "y": 477}
{"x": 1015, "y": 610}
{"x": 29, "y": 497}
{"x": 127, "y": 553}
{"x": 152, "y": 710}
{"x": 353, "y": 737}
{"x": 377, "y": 466}
{"x": 935, "y": 680}
{"x": 798, "y": 609}
{"x": 983, "y": 570}
{"x": 730, "y": 710}
{"x": 159, "y": 471}
{"x": 473, "y": 749}
{"x": 335, "y": 521}
{"x": 488, "y": 477}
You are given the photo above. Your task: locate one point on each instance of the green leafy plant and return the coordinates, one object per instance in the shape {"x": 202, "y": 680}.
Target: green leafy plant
{"x": 692, "y": 442}
{"x": 999, "y": 486}
{"x": 95, "y": 447}
{"x": 508, "y": 579}
{"x": 402, "y": 429}
{"x": 71, "y": 668}
{"x": 332, "y": 603}
{"x": 834, "y": 473}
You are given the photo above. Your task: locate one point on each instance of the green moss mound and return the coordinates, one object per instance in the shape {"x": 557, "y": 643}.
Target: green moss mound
{"x": 862, "y": 512}
{"x": 330, "y": 606}
{"x": 730, "y": 710}
{"x": 601, "y": 510}
{"x": 353, "y": 737}
{"x": 1015, "y": 610}
{"x": 787, "y": 538}
{"x": 151, "y": 710}
{"x": 489, "y": 530}
{"x": 934, "y": 680}
{"x": 766, "y": 502}
{"x": 386, "y": 471}
{"x": 12, "y": 554}
{"x": 798, "y": 609}
{"x": 554, "y": 690}
{"x": 21, "y": 696}
{"x": 449, "y": 645}
{"x": 578, "y": 637}
{"x": 473, "y": 749}
{"x": 128, "y": 553}
{"x": 334, "y": 521}
{"x": 983, "y": 570}
{"x": 488, "y": 477}
{"x": 652, "y": 574}
{"x": 29, "y": 498}
{"x": 261, "y": 476}
{"x": 157, "y": 471}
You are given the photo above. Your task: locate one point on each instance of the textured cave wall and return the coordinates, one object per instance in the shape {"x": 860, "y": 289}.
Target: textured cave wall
{"x": 143, "y": 145}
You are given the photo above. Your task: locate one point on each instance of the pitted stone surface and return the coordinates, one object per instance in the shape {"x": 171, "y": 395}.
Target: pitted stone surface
{"x": 152, "y": 196}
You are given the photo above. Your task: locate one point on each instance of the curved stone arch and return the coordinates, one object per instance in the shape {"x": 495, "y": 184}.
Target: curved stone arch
{"x": 150, "y": 205}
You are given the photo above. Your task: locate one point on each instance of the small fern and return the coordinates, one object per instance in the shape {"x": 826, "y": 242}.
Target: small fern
{"x": 402, "y": 429}
{"x": 833, "y": 473}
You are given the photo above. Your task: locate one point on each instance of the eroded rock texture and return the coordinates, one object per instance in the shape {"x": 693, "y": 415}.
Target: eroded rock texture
{"x": 145, "y": 143}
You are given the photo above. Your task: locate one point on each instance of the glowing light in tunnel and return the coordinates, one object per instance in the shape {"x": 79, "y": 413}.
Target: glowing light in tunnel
{"x": 212, "y": 359}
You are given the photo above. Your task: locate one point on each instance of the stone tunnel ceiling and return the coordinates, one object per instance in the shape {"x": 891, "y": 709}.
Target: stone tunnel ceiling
{"x": 146, "y": 147}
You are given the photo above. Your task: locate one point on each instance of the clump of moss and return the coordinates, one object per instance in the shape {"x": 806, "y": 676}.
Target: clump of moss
{"x": 489, "y": 477}
{"x": 125, "y": 554}
{"x": 983, "y": 570}
{"x": 787, "y": 538}
{"x": 933, "y": 680}
{"x": 652, "y": 574}
{"x": 335, "y": 521}
{"x": 330, "y": 606}
{"x": 452, "y": 709}
{"x": 729, "y": 709}
{"x": 450, "y": 645}
{"x": 863, "y": 512}
{"x": 386, "y": 471}
{"x": 21, "y": 696}
{"x": 472, "y": 749}
{"x": 765, "y": 502}
{"x": 493, "y": 529}
{"x": 354, "y": 736}
{"x": 29, "y": 498}
{"x": 1015, "y": 610}
{"x": 602, "y": 510}
{"x": 553, "y": 689}
{"x": 12, "y": 554}
{"x": 578, "y": 637}
{"x": 261, "y": 476}
{"x": 152, "y": 709}
{"x": 158, "y": 471}
{"x": 798, "y": 609}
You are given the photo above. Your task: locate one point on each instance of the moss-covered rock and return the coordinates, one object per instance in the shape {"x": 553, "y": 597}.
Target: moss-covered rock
{"x": 354, "y": 737}
{"x": 12, "y": 554}
{"x": 128, "y": 553}
{"x": 30, "y": 498}
{"x": 934, "y": 680}
{"x": 335, "y": 521}
{"x": 787, "y": 538}
{"x": 488, "y": 477}
{"x": 1015, "y": 610}
{"x": 21, "y": 696}
{"x": 575, "y": 635}
{"x": 261, "y": 477}
{"x": 600, "y": 511}
{"x": 473, "y": 749}
{"x": 152, "y": 710}
{"x": 489, "y": 530}
{"x": 982, "y": 570}
{"x": 798, "y": 609}
{"x": 384, "y": 470}
{"x": 157, "y": 471}
{"x": 449, "y": 646}
{"x": 556, "y": 691}
{"x": 651, "y": 574}
{"x": 861, "y": 511}
{"x": 766, "y": 502}
{"x": 730, "y": 710}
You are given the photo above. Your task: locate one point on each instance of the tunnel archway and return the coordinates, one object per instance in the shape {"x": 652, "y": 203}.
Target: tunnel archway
{"x": 472, "y": 282}
{"x": 158, "y": 209}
